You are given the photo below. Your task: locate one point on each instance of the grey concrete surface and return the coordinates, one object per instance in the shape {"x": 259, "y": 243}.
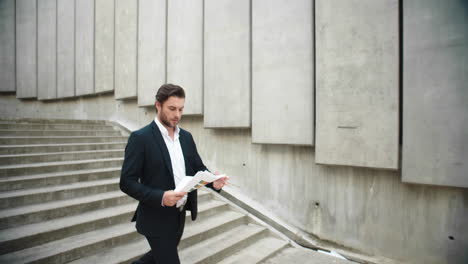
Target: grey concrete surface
{"x": 46, "y": 49}
{"x": 7, "y": 46}
{"x": 45, "y": 211}
{"x": 151, "y": 49}
{"x": 26, "y": 53}
{"x": 57, "y": 178}
{"x": 435, "y": 105}
{"x": 357, "y": 94}
{"x": 294, "y": 255}
{"x": 256, "y": 253}
{"x": 321, "y": 200}
{"x": 78, "y": 213}
{"x": 46, "y": 167}
{"x": 66, "y": 48}
{"x": 363, "y": 209}
{"x": 126, "y": 30}
{"x": 227, "y": 100}
{"x": 404, "y": 222}
{"x": 84, "y": 52}
{"x": 104, "y": 46}
{"x": 282, "y": 72}
{"x": 185, "y": 51}
{"x": 59, "y": 156}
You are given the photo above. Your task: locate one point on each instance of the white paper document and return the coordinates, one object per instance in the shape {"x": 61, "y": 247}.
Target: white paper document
{"x": 191, "y": 183}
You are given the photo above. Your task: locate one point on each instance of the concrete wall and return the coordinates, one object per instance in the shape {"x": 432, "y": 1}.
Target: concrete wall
{"x": 46, "y": 49}
{"x": 126, "y": 31}
{"x": 435, "y": 67}
{"x": 185, "y": 50}
{"x": 151, "y": 49}
{"x": 357, "y": 83}
{"x": 7, "y": 46}
{"x": 84, "y": 32}
{"x": 26, "y": 52}
{"x": 365, "y": 209}
{"x": 104, "y": 46}
{"x": 66, "y": 48}
{"x": 227, "y": 63}
{"x": 282, "y": 72}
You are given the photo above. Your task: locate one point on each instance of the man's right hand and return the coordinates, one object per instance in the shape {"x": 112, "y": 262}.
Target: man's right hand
{"x": 170, "y": 198}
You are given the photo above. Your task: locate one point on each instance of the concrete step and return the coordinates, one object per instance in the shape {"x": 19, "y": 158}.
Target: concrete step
{"x": 257, "y": 252}
{"x": 74, "y": 247}
{"x": 50, "y": 121}
{"x": 26, "y": 236}
{"x": 302, "y": 255}
{"x": 54, "y": 193}
{"x": 210, "y": 226}
{"x": 109, "y": 238}
{"x": 19, "y": 140}
{"x": 208, "y": 207}
{"x": 117, "y": 255}
{"x": 36, "y": 213}
{"x": 51, "y": 133}
{"x": 56, "y": 178}
{"x": 199, "y": 230}
{"x": 41, "y": 148}
{"x": 59, "y": 156}
{"x": 47, "y": 167}
{"x": 216, "y": 248}
{"x": 52, "y": 126}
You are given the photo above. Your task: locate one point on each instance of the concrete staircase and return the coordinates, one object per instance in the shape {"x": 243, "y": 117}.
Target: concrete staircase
{"x": 60, "y": 202}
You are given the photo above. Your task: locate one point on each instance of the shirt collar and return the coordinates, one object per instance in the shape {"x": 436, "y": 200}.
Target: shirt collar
{"x": 164, "y": 131}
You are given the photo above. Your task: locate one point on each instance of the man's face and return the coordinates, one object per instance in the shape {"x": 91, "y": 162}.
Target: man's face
{"x": 170, "y": 112}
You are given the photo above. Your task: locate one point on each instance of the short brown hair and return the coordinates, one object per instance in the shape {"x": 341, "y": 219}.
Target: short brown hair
{"x": 167, "y": 90}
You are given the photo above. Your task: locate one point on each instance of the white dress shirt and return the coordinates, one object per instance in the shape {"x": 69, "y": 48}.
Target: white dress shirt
{"x": 176, "y": 154}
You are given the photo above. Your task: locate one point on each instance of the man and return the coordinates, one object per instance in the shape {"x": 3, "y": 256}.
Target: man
{"x": 156, "y": 158}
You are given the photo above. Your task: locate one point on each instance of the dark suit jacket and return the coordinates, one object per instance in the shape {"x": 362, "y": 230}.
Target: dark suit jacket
{"x": 147, "y": 174}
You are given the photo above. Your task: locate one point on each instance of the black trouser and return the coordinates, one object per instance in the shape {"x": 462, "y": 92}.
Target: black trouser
{"x": 164, "y": 248}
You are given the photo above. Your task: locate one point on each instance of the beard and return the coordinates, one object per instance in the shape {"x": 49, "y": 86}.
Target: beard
{"x": 166, "y": 121}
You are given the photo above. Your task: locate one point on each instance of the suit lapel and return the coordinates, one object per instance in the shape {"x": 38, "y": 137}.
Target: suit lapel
{"x": 183, "y": 145}
{"x": 162, "y": 145}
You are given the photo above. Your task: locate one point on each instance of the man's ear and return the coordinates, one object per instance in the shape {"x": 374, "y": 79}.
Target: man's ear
{"x": 158, "y": 106}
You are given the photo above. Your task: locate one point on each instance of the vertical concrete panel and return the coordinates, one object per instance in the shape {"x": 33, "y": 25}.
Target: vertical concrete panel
{"x": 357, "y": 83}
{"x": 282, "y": 72}
{"x": 65, "y": 48}
{"x": 185, "y": 51}
{"x": 125, "y": 49}
{"x": 7, "y": 46}
{"x": 104, "y": 46}
{"x": 26, "y": 45}
{"x": 84, "y": 47}
{"x": 151, "y": 49}
{"x": 435, "y": 92}
{"x": 46, "y": 49}
{"x": 227, "y": 63}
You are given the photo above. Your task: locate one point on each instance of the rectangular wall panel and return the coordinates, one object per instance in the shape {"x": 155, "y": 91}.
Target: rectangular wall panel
{"x": 104, "y": 46}
{"x": 7, "y": 46}
{"x": 26, "y": 44}
{"x": 65, "y": 48}
{"x": 125, "y": 49}
{"x": 435, "y": 92}
{"x": 357, "y": 87}
{"x": 185, "y": 51}
{"x": 84, "y": 47}
{"x": 282, "y": 72}
{"x": 46, "y": 49}
{"x": 151, "y": 49}
{"x": 227, "y": 97}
